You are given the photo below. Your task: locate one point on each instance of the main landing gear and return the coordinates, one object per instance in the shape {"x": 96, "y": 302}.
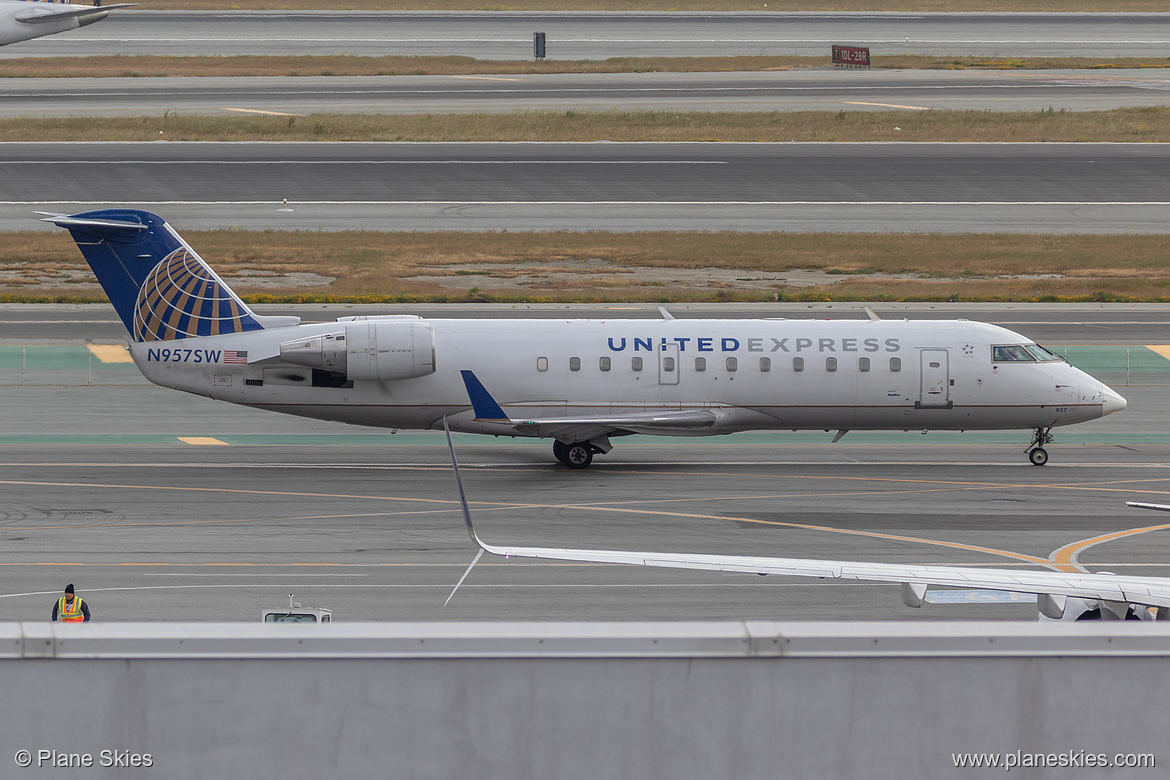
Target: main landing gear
{"x": 1036, "y": 452}
{"x": 577, "y": 455}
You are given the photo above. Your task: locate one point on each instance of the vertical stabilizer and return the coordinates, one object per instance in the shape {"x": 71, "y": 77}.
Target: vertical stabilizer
{"x": 159, "y": 286}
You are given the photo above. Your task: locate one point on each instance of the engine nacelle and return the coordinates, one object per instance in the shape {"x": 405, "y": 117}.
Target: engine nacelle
{"x": 1071, "y": 608}
{"x": 369, "y": 350}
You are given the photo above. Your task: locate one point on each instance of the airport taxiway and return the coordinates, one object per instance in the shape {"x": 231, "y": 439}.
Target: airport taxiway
{"x": 596, "y": 35}
{"x": 161, "y": 505}
{"x": 806, "y": 89}
{"x": 880, "y": 187}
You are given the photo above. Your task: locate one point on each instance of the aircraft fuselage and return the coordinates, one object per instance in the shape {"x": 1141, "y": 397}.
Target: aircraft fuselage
{"x": 753, "y": 374}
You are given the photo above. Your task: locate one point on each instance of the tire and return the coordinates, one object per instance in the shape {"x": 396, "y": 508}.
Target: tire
{"x": 578, "y": 455}
{"x": 1038, "y": 456}
{"x": 559, "y": 448}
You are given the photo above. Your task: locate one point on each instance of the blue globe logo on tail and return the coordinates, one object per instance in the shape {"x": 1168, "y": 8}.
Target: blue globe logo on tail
{"x": 182, "y": 297}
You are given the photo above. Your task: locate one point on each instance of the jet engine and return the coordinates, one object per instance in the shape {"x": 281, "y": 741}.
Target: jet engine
{"x": 371, "y": 350}
{"x": 1071, "y": 608}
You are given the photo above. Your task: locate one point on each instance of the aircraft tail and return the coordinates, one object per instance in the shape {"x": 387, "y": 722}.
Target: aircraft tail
{"x": 159, "y": 286}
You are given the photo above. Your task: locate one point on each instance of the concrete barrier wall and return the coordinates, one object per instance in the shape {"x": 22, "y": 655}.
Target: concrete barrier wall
{"x": 580, "y": 700}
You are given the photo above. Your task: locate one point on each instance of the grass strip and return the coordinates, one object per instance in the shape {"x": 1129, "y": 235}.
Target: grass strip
{"x": 147, "y": 66}
{"x": 1143, "y": 124}
{"x": 375, "y": 267}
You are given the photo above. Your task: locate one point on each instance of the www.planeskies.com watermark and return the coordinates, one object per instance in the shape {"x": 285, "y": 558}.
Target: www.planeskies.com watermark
{"x": 1069, "y": 759}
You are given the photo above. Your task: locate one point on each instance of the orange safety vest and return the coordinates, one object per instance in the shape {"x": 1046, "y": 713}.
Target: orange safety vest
{"x": 70, "y": 613}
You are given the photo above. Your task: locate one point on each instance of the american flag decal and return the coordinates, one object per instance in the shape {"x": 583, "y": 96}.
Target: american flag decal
{"x": 232, "y": 356}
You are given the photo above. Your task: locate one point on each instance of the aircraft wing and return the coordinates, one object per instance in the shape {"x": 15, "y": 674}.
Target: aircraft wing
{"x": 1147, "y": 591}
{"x": 589, "y": 427}
{"x": 486, "y": 409}
{"x": 1051, "y": 587}
{"x": 51, "y": 12}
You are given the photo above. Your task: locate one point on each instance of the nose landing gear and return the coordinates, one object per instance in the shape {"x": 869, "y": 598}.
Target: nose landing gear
{"x": 1036, "y": 452}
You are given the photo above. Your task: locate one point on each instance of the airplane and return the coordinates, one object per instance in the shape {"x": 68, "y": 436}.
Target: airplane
{"x": 22, "y": 20}
{"x": 579, "y": 382}
{"x": 1059, "y": 595}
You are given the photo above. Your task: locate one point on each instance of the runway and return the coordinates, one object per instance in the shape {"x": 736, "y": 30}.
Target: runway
{"x": 592, "y": 35}
{"x": 795, "y": 90}
{"x": 98, "y": 489}
{"x": 549, "y": 186}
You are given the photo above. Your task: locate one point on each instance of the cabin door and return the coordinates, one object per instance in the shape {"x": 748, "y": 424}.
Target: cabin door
{"x": 936, "y": 378}
{"x": 668, "y": 364}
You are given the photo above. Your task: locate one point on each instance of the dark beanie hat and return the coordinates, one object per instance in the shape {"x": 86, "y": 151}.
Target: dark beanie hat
{"x": 69, "y": 588}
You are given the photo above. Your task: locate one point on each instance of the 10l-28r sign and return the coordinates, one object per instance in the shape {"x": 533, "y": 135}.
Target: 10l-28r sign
{"x": 851, "y": 56}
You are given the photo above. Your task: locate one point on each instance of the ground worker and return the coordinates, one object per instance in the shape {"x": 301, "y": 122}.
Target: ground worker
{"x": 70, "y": 608}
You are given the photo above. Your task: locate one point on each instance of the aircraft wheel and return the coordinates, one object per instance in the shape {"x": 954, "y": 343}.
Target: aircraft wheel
{"x": 1038, "y": 456}
{"x": 559, "y": 448}
{"x": 578, "y": 455}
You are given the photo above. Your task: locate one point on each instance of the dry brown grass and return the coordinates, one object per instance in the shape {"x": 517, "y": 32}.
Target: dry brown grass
{"x": 1066, "y": 6}
{"x": 1146, "y": 125}
{"x": 385, "y": 266}
{"x": 343, "y": 65}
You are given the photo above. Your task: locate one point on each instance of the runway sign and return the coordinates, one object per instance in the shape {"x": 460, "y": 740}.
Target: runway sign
{"x": 851, "y": 56}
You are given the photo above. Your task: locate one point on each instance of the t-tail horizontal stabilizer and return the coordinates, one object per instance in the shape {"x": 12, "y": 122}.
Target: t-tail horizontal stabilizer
{"x": 43, "y": 12}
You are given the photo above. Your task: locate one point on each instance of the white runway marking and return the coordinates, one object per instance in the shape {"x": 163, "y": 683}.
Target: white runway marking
{"x": 227, "y": 574}
{"x": 365, "y": 162}
{"x": 672, "y": 203}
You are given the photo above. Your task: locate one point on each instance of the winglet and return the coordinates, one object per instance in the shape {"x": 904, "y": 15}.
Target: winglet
{"x": 482, "y": 402}
{"x": 872, "y": 314}
{"x": 665, "y": 314}
{"x": 459, "y": 482}
{"x": 466, "y": 511}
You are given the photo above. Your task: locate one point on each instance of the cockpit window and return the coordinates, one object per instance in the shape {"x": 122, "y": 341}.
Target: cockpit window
{"x": 1010, "y": 353}
{"x": 1041, "y": 353}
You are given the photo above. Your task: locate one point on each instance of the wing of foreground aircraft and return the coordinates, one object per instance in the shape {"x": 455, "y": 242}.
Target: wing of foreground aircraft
{"x": 22, "y": 20}
{"x": 1060, "y": 595}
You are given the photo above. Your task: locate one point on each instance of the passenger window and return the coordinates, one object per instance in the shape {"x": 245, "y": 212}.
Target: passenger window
{"x": 863, "y": 364}
{"x": 700, "y": 365}
{"x": 574, "y": 364}
{"x": 636, "y": 363}
{"x": 765, "y": 365}
{"x": 935, "y": 364}
{"x": 732, "y": 364}
{"x": 830, "y": 364}
{"x": 603, "y": 364}
{"x": 668, "y": 364}
{"x": 542, "y": 364}
{"x": 895, "y": 364}
{"x": 798, "y": 364}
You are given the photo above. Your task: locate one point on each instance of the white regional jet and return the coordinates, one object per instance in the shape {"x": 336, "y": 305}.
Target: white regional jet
{"x": 1059, "y": 595}
{"x": 578, "y": 382}
{"x": 22, "y": 20}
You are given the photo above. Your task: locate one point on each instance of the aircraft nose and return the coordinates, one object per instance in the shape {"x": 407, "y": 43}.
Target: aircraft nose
{"x": 1110, "y": 401}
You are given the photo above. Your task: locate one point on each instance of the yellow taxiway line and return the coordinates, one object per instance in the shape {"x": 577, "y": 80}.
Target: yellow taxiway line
{"x": 110, "y": 353}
